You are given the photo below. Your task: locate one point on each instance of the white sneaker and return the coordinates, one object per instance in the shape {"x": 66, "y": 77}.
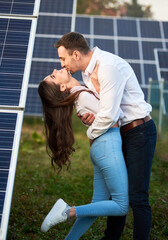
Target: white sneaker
{"x": 56, "y": 215}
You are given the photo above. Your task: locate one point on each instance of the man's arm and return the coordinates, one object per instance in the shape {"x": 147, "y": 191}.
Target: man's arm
{"x": 112, "y": 85}
{"x": 87, "y": 118}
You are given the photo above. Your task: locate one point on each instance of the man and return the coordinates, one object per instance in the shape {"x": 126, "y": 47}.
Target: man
{"x": 119, "y": 88}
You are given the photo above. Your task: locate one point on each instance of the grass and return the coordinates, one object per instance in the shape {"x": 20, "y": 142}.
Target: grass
{"x": 37, "y": 187}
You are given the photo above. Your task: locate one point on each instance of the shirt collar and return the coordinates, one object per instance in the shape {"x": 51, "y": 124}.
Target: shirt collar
{"x": 92, "y": 63}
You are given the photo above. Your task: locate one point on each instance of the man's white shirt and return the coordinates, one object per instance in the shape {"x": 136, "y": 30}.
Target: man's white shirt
{"x": 119, "y": 90}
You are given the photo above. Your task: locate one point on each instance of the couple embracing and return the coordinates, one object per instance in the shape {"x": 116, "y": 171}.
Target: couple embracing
{"x": 121, "y": 132}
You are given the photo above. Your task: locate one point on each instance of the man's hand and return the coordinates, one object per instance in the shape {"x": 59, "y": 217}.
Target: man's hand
{"x": 87, "y": 118}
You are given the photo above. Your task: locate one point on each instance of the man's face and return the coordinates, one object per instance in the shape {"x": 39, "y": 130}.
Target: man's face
{"x": 69, "y": 62}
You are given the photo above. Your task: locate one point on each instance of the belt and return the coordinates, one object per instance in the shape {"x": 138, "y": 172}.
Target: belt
{"x": 135, "y": 123}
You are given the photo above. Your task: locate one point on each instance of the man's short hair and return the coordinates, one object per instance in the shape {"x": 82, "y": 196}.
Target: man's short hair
{"x": 73, "y": 41}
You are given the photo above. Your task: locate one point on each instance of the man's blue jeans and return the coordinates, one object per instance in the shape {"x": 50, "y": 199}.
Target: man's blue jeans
{"x": 138, "y": 149}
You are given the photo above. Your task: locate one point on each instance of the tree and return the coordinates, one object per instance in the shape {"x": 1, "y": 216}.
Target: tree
{"x": 134, "y": 9}
{"x": 97, "y": 7}
{"x": 113, "y": 8}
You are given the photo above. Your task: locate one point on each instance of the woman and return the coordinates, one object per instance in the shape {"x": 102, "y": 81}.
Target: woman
{"x": 59, "y": 92}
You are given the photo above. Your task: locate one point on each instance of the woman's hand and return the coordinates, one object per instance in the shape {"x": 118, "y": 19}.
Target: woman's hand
{"x": 94, "y": 78}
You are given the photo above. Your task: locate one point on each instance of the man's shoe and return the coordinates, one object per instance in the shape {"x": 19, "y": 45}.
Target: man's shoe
{"x": 56, "y": 215}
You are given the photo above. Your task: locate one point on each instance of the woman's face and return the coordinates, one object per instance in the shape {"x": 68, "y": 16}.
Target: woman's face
{"x": 59, "y": 76}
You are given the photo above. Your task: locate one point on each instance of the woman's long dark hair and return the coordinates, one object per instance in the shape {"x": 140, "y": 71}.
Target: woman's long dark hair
{"x": 57, "y": 111}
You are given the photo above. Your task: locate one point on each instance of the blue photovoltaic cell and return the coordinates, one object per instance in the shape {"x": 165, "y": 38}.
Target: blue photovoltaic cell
{"x": 9, "y": 97}
{"x": 150, "y": 72}
{"x": 22, "y": 7}
{"x": 148, "y": 49}
{"x": 165, "y": 27}
{"x": 10, "y": 52}
{"x": 5, "y": 156}
{"x": 13, "y": 52}
{"x": 145, "y": 91}
{"x": 163, "y": 59}
{"x": 2, "y": 197}
{"x": 163, "y": 64}
{"x": 7, "y": 121}
{"x": 53, "y": 25}
{"x": 103, "y": 27}
{"x": 7, "y": 131}
{"x": 14, "y": 37}
{"x": 20, "y": 25}
{"x": 150, "y": 29}
{"x": 56, "y": 6}
{"x": 126, "y": 28}
{"x": 162, "y": 67}
{"x": 2, "y": 37}
{"x": 103, "y": 44}
{"x": 166, "y": 101}
{"x": 137, "y": 69}
{"x": 82, "y": 25}
{"x": 12, "y": 66}
{"x": 44, "y": 48}
{"x": 128, "y": 49}
{"x": 6, "y": 139}
{"x": 164, "y": 75}
{"x": 33, "y": 103}
{"x": 3, "y": 180}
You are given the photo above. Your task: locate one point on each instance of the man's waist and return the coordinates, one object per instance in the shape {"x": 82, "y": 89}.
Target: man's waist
{"x": 135, "y": 123}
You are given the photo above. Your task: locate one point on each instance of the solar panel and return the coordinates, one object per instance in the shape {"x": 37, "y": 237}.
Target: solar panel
{"x": 23, "y": 7}
{"x": 10, "y": 127}
{"x": 161, "y": 56}
{"x": 134, "y": 39}
{"x": 17, "y": 34}
{"x": 55, "y": 19}
{"x": 13, "y": 53}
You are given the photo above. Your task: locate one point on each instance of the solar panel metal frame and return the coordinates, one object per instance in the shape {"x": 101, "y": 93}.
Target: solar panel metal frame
{"x": 19, "y": 110}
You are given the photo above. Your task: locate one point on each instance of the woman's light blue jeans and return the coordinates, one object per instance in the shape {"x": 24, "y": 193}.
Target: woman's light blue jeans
{"x": 110, "y": 181}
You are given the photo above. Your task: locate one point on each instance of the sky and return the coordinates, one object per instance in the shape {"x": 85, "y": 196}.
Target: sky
{"x": 158, "y": 7}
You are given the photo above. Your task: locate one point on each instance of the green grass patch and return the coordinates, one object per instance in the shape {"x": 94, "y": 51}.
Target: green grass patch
{"x": 37, "y": 187}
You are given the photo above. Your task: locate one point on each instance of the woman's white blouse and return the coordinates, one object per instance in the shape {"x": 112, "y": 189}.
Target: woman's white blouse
{"x": 88, "y": 103}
